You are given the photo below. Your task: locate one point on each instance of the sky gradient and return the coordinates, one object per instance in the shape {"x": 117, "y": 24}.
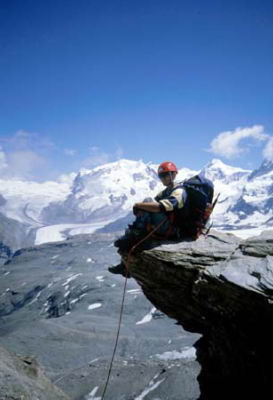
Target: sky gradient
{"x": 86, "y": 82}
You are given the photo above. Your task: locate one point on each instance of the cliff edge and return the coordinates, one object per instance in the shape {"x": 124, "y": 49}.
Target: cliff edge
{"x": 221, "y": 287}
{"x": 21, "y": 378}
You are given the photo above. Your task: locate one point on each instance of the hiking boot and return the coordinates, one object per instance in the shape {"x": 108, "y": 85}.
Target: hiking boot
{"x": 119, "y": 269}
{"x": 127, "y": 241}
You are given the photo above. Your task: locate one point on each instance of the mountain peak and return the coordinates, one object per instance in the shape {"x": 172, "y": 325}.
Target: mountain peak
{"x": 265, "y": 168}
{"x": 217, "y": 169}
{"x": 122, "y": 163}
{"x": 267, "y": 165}
{"x": 216, "y": 163}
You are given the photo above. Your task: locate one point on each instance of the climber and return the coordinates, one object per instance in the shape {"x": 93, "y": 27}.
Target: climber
{"x": 151, "y": 213}
{"x": 181, "y": 210}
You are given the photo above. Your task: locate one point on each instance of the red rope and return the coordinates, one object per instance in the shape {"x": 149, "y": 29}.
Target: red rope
{"x": 123, "y": 299}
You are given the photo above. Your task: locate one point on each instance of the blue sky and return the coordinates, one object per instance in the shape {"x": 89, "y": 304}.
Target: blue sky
{"x": 86, "y": 82}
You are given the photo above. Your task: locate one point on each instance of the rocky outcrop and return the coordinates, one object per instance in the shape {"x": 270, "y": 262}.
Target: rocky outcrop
{"x": 13, "y": 235}
{"x": 22, "y": 378}
{"x": 222, "y": 288}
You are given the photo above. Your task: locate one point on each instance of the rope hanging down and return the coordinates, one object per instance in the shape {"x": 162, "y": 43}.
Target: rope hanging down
{"x": 127, "y": 263}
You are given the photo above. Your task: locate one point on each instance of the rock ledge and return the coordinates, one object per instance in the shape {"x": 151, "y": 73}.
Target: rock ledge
{"x": 222, "y": 288}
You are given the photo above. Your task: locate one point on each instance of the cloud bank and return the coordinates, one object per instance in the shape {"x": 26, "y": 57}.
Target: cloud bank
{"x": 231, "y": 144}
{"x": 268, "y": 150}
{"x": 23, "y": 154}
{"x": 70, "y": 152}
{"x": 31, "y": 156}
{"x": 99, "y": 157}
{"x": 3, "y": 160}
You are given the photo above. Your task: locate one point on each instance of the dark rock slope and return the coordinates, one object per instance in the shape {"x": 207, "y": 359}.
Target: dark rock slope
{"x": 60, "y": 305}
{"x": 13, "y": 236}
{"x": 22, "y": 378}
{"x": 221, "y": 287}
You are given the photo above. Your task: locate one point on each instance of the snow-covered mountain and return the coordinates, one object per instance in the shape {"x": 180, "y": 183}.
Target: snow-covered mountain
{"x": 104, "y": 193}
{"x": 107, "y": 192}
{"x": 219, "y": 172}
{"x": 93, "y": 198}
{"x": 255, "y": 204}
{"x": 229, "y": 182}
{"x": 24, "y": 201}
{"x": 21, "y": 206}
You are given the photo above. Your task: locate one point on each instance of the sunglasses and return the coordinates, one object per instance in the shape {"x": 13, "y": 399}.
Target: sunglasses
{"x": 163, "y": 175}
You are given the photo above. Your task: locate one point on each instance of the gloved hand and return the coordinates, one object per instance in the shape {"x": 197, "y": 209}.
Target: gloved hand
{"x": 136, "y": 210}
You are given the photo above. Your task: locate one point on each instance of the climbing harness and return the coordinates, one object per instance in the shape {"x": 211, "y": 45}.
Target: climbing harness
{"x": 127, "y": 263}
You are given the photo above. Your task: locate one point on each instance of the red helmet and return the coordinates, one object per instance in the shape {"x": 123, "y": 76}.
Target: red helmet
{"x": 166, "y": 166}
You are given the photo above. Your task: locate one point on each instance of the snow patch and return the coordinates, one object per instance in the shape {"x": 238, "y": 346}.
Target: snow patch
{"x": 134, "y": 291}
{"x": 71, "y": 278}
{"x": 147, "y": 318}
{"x": 94, "y": 360}
{"x": 36, "y": 298}
{"x": 151, "y": 386}
{"x": 91, "y": 395}
{"x": 58, "y": 233}
{"x": 94, "y": 306}
{"x": 188, "y": 353}
{"x": 247, "y": 233}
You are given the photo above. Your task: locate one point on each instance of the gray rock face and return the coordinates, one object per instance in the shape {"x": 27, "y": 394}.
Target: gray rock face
{"x": 22, "y": 378}
{"x": 59, "y": 304}
{"x": 13, "y": 235}
{"x": 222, "y": 288}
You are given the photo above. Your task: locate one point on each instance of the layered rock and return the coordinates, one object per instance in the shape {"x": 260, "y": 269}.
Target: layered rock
{"x": 22, "y": 378}
{"x": 222, "y": 288}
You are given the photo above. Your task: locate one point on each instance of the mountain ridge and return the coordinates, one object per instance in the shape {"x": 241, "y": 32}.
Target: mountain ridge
{"x": 107, "y": 193}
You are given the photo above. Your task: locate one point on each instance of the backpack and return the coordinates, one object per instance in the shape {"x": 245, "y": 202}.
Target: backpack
{"x": 193, "y": 217}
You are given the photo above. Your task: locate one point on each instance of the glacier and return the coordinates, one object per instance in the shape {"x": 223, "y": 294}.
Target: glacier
{"x": 102, "y": 198}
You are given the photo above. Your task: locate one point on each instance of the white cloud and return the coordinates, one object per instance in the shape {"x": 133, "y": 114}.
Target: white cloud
{"x": 25, "y": 164}
{"x": 30, "y": 156}
{"x": 100, "y": 157}
{"x": 23, "y": 140}
{"x": 94, "y": 149}
{"x": 119, "y": 153}
{"x": 18, "y": 140}
{"x": 3, "y": 160}
{"x": 97, "y": 157}
{"x": 69, "y": 152}
{"x": 67, "y": 178}
{"x": 25, "y": 155}
{"x": 229, "y": 144}
{"x": 268, "y": 150}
